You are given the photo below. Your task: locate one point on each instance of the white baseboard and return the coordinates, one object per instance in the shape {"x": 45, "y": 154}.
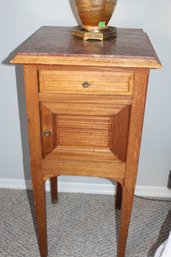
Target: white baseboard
{"x": 66, "y": 187}
{"x": 88, "y": 188}
{"x": 147, "y": 191}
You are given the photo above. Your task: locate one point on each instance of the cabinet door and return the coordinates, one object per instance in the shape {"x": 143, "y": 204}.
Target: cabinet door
{"x": 88, "y": 131}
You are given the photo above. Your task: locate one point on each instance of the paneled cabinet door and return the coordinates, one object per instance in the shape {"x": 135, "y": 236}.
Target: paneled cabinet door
{"x": 90, "y": 131}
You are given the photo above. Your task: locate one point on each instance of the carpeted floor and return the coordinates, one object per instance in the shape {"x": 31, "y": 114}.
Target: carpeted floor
{"x": 80, "y": 225}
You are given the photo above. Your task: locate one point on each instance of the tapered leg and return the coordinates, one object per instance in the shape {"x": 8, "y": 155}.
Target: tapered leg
{"x": 40, "y": 208}
{"x": 54, "y": 189}
{"x": 127, "y": 201}
{"x": 118, "y": 198}
{"x": 33, "y": 112}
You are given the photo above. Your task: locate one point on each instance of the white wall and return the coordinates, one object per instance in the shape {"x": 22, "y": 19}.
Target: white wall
{"x": 20, "y": 18}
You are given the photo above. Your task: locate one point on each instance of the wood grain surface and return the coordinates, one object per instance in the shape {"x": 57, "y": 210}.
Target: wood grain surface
{"x": 55, "y": 45}
{"x": 85, "y": 107}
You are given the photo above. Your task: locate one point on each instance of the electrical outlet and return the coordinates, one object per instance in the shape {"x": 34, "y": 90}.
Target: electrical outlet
{"x": 169, "y": 180}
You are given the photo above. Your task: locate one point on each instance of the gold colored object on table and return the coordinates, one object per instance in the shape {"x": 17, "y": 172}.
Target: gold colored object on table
{"x": 95, "y": 16}
{"x": 109, "y": 32}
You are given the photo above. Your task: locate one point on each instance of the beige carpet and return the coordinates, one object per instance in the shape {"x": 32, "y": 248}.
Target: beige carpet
{"x": 80, "y": 225}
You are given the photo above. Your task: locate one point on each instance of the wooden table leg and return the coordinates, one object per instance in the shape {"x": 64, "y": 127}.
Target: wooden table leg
{"x": 127, "y": 201}
{"x": 134, "y": 140}
{"x": 54, "y": 189}
{"x": 40, "y": 209}
{"x": 118, "y": 198}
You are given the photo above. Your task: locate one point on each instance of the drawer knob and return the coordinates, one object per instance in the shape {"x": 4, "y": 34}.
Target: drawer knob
{"x": 86, "y": 84}
{"x": 47, "y": 133}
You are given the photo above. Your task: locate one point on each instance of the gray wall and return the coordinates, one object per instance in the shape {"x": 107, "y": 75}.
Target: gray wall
{"x": 20, "y": 18}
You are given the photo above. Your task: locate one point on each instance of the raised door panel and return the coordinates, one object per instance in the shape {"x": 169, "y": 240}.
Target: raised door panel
{"x": 121, "y": 123}
{"x": 84, "y": 131}
{"x": 48, "y": 128}
{"x": 99, "y": 134}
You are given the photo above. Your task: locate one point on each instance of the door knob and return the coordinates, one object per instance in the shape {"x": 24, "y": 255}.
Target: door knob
{"x": 86, "y": 84}
{"x": 47, "y": 133}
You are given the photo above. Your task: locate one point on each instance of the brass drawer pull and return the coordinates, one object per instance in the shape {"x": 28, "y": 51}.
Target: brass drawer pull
{"x": 86, "y": 84}
{"x": 47, "y": 133}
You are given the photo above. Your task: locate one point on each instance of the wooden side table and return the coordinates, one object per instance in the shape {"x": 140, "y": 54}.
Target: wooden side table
{"x": 85, "y": 106}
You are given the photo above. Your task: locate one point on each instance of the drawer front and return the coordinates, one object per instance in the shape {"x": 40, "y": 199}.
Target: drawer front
{"x": 90, "y": 81}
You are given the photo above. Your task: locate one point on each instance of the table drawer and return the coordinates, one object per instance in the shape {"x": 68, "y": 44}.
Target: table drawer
{"x": 86, "y": 81}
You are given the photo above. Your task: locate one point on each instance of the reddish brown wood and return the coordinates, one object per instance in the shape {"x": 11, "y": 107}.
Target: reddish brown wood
{"x": 47, "y": 130}
{"x": 84, "y": 99}
{"x": 114, "y": 170}
{"x": 120, "y": 132}
{"x": 94, "y": 131}
{"x": 134, "y": 141}
{"x": 101, "y": 81}
{"x": 40, "y": 207}
{"x": 32, "y": 106}
{"x": 55, "y": 45}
